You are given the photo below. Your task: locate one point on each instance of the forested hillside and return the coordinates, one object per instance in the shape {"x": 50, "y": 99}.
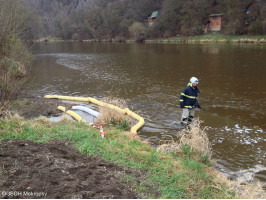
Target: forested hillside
{"x": 120, "y": 19}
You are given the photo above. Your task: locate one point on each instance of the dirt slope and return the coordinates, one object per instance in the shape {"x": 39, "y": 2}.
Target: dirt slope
{"x": 54, "y": 170}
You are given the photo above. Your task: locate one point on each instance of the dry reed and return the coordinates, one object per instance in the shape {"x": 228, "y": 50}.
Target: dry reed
{"x": 192, "y": 136}
{"x": 249, "y": 190}
{"x": 241, "y": 189}
{"x": 6, "y": 113}
{"x": 108, "y": 116}
{"x": 197, "y": 139}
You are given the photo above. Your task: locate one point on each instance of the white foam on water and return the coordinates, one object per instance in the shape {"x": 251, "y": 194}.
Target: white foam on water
{"x": 244, "y": 134}
{"x": 248, "y": 174}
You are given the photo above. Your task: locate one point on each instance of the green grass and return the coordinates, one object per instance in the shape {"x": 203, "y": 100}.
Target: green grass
{"x": 123, "y": 125}
{"x": 166, "y": 175}
{"x": 212, "y": 38}
{"x": 20, "y": 102}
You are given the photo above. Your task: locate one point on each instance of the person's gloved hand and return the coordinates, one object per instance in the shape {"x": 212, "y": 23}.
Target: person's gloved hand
{"x": 181, "y": 104}
{"x": 197, "y": 105}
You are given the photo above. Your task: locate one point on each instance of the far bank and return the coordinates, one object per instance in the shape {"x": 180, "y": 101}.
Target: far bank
{"x": 211, "y": 38}
{"x": 203, "y": 39}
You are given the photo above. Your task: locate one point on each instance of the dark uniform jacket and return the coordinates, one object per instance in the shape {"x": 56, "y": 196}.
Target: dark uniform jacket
{"x": 188, "y": 98}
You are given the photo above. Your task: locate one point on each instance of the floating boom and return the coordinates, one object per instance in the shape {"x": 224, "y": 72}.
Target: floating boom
{"x": 134, "y": 129}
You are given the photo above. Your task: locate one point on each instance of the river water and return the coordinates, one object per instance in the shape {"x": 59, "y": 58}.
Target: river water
{"x": 150, "y": 77}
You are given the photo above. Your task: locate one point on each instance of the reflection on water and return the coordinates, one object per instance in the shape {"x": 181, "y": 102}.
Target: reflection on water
{"x": 151, "y": 77}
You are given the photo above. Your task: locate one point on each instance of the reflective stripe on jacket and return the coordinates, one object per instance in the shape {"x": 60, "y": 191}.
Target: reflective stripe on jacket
{"x": 188, "y": 97}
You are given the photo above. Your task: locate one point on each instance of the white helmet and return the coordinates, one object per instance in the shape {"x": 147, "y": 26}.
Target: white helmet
{"x": 194, "y": 80}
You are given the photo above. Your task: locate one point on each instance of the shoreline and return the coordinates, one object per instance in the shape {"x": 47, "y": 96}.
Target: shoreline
{"x": 204, "y": 39}
{"x": 195, "y": 179}
{"x": 39, "y": 129}
{"x": 209, "y": 41}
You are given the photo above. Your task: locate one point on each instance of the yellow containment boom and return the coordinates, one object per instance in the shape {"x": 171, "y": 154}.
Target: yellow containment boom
{"x": 134, "y": 129}
{"x": 66, "y": 98}
{"x": 140, "y": 123}
{"x": 61, "y": 108}
{"x": 72, "y": 114}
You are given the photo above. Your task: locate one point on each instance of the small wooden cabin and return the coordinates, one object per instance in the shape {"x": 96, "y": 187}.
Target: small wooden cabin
{"x": 152, "y": 17}
{"x": 214, "y": 23}
{"x": 252, "y": 12}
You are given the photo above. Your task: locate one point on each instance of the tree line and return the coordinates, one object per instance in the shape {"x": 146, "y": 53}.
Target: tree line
{"x": 118, "y": 19}
{"x": 121, "y": 19}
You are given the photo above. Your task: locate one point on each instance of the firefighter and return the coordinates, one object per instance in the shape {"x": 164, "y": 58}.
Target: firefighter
{"x": 189, "y": 101}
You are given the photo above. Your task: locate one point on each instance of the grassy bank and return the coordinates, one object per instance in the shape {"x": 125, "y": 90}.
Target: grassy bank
{"x": 169, "y": 175}
{"x": 207, "y": 38}
{"x": 212, "y": 38}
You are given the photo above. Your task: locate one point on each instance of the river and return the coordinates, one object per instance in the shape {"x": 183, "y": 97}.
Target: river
{"x": 150, "y": 77}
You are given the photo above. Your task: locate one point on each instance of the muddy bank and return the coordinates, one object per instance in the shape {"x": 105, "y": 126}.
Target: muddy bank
{"x": 54, "y": 170}
{"x": 30, "y": 106}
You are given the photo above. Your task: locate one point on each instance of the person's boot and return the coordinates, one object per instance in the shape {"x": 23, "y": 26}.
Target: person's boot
{"x": 184, "y": 123}
{"x": 190, "y": 118}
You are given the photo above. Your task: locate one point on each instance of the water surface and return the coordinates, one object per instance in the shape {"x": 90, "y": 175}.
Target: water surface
{"x": 151, "y": 77}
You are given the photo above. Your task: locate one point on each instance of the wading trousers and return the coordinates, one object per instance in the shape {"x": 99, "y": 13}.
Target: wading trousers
{"x": 187, "y": 115}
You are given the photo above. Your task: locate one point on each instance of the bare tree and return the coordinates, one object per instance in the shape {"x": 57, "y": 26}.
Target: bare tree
{"x": 13, "y": 53}
{"x": 138, "y": 31}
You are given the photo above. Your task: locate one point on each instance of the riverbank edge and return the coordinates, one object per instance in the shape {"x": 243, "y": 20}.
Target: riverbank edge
{"x": 171, "y": 176}
{"x": 192, "y": 179}
{"x": 204, "y": 39}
